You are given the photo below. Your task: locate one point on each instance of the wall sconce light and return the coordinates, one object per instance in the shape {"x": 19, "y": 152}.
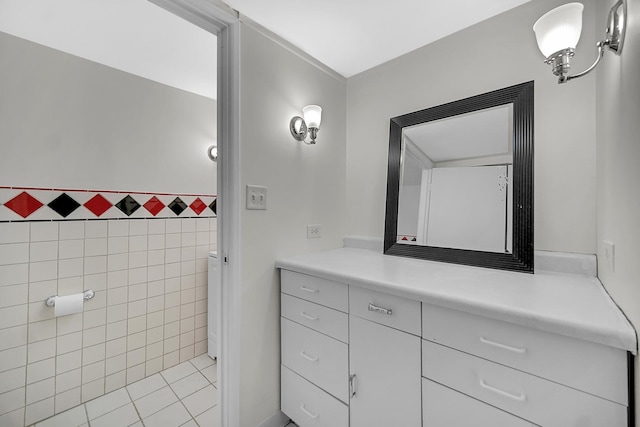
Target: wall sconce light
{"x": 558, "y": 32}
{"x": 309, "y": 125}
{"x": 212, "y": 152}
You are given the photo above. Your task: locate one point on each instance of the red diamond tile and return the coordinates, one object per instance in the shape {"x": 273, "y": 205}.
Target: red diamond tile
{"x": 154, "y": 206}
{"x": 24, "y": 204}
{"x": 98, "y": 205}
{"x": 198, "y": 206}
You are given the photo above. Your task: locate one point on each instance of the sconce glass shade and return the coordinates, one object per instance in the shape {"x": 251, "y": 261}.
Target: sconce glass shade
{"x": 559, "y": 29}
{"x": 312, "y": 116}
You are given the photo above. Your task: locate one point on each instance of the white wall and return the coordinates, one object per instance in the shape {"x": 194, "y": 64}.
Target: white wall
{"x": 618, "y": 156}
{"x": 493, "y": 54}
{"x": 66, "y": 122}
{"x": 305, "y": 186}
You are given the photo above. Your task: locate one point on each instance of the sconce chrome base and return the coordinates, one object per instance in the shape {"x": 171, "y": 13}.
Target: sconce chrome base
{"x": 617, "y": 26}
{"x": 299, "y": 130}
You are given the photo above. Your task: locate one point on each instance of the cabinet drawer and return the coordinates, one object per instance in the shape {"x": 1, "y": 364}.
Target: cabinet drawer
{"x": 321, "y": 291}
{"x": 535, "y": 399}
{"x": 586, "y": 366}
{"x": 317, "y": 317}
{"x": 316, "y": 357}
{"x": 443, "y": 406}
{"x": 309, "y": 406}
{"x": 390, "y": 310}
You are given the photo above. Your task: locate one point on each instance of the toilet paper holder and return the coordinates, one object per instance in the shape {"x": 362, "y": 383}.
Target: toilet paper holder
{"x": 51, "y": 301}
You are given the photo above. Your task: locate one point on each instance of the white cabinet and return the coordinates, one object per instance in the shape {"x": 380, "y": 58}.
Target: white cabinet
{"x": 309, "y": 405}
{"x": 355, "y": 357}
{"x": 543, "y": 378}
{"x": 314, "y": 351}
{"x": 385, "y": 366}
{"x": 444, "y": 407}
{"x": 331, "y": 359}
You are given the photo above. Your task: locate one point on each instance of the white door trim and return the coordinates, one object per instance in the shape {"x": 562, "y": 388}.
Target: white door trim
{"x": 225, "y": 25}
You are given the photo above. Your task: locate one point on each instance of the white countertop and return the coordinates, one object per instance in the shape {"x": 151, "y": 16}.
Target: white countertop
{"x": 575, "y": 306}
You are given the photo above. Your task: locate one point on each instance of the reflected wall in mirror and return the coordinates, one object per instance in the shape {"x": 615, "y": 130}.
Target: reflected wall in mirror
{"x": 460, "y": 181}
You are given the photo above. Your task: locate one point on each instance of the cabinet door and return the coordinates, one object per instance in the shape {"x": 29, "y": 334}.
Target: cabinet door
{"x": 444, "y": 407}
{"x": 387, "y": 382}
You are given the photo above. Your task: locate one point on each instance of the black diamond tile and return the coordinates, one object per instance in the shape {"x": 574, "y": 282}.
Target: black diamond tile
{"x": 177, "y": 206}
{"x": 64, "y": 205}
{"x": 128, "y": 205}
{"x": 214, "y": 206}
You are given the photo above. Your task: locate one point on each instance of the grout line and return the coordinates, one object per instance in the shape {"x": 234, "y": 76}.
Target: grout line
{"x": 86, "y": 412}
{"x": 134, "y": 403}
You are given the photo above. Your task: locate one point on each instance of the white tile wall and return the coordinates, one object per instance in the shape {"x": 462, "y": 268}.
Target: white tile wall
{"x": 149, "y": 312}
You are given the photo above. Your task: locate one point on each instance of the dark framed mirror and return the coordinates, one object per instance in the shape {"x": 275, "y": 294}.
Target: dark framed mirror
{"x": 460, "y": 182}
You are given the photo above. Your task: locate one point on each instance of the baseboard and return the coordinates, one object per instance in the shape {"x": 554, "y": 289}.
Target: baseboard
{"x": 359, "y": 242}
{"x": 276, "y": 420}
{"x": 566, "y": 262}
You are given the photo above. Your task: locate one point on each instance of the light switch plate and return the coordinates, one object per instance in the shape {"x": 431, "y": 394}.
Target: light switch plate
{"x": 256, "y": 197}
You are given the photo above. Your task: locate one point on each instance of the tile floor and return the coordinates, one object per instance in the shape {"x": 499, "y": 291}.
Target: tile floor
{"x": 182, "y": 396}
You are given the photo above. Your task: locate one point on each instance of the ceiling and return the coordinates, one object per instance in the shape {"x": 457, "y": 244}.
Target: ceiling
{"x": 351, "y": 36}
{"x": 135, "y": 36}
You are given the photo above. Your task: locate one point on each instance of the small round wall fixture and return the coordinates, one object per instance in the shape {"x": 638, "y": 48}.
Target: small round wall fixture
{"x": 212, "y": 152}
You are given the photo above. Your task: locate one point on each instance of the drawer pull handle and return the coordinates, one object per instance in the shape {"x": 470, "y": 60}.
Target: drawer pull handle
{"x": 309, "y": 414}
{"x": 352, "y": 385}
{"x": 309, "y": 358}
{"x": 306, "y": 316}
{"x": 382, "y": 310}
{"x": 519, "y": 350}
{"x": 517, "y": 397}
{"x": 311, "y": 291}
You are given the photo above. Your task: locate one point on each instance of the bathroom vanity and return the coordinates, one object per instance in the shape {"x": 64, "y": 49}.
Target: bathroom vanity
{"x": 376, "y": 340}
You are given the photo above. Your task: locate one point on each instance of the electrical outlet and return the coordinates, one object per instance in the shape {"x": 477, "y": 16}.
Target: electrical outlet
{"x": 256, "y": 197}
{"x": 609, "y": 249}
{"x": 314, "y": 231}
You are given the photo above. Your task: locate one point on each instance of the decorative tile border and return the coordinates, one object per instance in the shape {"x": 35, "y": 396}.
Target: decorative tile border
{"x": 42, "y": 204}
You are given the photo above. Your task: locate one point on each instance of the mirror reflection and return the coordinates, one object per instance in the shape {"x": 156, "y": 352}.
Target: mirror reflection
{"x": 456, "y": 182}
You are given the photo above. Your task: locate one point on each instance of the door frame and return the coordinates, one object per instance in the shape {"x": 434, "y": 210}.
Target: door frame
{"x": 222, "y": 21}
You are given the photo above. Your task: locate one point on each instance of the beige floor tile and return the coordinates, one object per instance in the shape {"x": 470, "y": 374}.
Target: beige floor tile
{"x": 202, "y": 361}
{"x": 72, "y": 418}
{"x": 121, "y": 417}
{"x": 209, "y": 418}
{"x": 211, "y": 372}
{"x": 154, "y": 402}
{"x": 177, "y": 372}
{"x": 189, "y": 385}
{"x": 146, "y": 386}
{"x": 171, "y": 416}
{"x": 107, "y": 403}
{"x": 201, "y": 401}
